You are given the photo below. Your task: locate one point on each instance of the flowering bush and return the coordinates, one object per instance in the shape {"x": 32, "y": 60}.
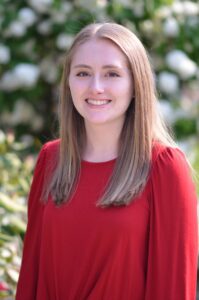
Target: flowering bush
{"x": 16, "y": 165}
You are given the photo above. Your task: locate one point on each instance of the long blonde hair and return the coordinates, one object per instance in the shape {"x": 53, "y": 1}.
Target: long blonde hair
{"x": 142, "y": 125}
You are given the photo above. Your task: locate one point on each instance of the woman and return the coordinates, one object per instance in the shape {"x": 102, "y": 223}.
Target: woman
{"x": 112, "y": 207}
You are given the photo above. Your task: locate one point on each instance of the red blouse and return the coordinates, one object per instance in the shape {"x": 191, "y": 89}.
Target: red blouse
{"x": 144, "y": 251}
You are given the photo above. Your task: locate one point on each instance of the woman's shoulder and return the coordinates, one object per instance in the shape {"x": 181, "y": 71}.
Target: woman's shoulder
{"x": 51, "y": 146}
{"x": 162, "y": 151}
{"x": 171, "y": 180}
{"x": 49, "y": 154}
{"x": 169, "y": 159}
{"x": 50, "y": 149}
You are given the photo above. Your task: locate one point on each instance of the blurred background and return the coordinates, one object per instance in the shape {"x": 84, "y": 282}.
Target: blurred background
{"x": 34, "y": 36}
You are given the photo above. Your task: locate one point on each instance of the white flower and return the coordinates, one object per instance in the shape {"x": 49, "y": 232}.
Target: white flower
{"x": 190, "y": 8}
{"x": 49, "y": 70}
{"x": 23, "y": 112}
{"x": 138, "y": 8}
{"x": 177, "y": 8}
{"x": 168, "y": 112}
{"x": 27, "y": 140}
{"x": 23, "y": 75}
{"x": 16, "y": 29}
{"x": 16, "y": 259}
{"x": 64, "y": 41}
{"x": 41, "y": 6}
{"x": 27, "y": 74}
{"x": 4, "y": 54}
{"x": 168, "y": 82}
{"x": 102, "y": 3}
{"x": 9, "y": 82}
{"x": 5, "y": 253}
{"x": 58, "y": 17}
{"x": 178, "y": 61}
{"x": 171, "y": 27}
{"x": 2, "y": 137}
{"x": 175, "y": 57}
{"x": 37, "y": 123}
{"x": 27, "y": 16}
{"x": 147, "y": 27}
{"x": 185, "y": 8}
{"x": 66, "y": 7}
{"x": 12, "y": 273}
{"x": 187, "y": 69}
{"x": 45, "y": 27}
{"x": 163, "y": 12}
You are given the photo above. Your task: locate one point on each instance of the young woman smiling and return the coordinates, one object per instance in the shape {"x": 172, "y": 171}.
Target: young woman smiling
{"x": 112, "y": 207}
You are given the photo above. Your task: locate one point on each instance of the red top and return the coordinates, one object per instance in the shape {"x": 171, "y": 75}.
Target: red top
{"x": 144, "y": 251}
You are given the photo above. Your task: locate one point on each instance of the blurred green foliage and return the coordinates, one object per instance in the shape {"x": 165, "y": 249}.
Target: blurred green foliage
{"x": 16, "y": 166}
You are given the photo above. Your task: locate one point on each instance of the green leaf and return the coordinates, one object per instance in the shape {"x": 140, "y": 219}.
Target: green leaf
{"x": 10, "y": 205}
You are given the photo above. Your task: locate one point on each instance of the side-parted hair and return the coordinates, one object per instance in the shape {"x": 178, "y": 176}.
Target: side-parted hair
{"x": 142, "y": 127}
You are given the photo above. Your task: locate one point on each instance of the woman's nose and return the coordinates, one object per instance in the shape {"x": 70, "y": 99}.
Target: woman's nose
{"x": 96, "y": 85}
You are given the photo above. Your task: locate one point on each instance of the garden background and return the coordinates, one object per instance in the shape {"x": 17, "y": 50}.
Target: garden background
{"x": 34, "y": 36}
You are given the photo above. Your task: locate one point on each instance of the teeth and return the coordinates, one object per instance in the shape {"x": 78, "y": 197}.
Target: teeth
{"x": 97, "y": 102}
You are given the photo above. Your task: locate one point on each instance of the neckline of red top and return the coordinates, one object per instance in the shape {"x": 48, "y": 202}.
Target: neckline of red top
{"x": 99, "y": 163}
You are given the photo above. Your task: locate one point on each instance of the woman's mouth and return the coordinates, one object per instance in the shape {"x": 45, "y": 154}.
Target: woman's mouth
{"x": 98, "y": 102}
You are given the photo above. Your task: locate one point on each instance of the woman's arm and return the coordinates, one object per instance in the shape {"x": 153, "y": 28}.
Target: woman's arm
{"x": 27, "y": 284}
{"x": 173, "y": 245}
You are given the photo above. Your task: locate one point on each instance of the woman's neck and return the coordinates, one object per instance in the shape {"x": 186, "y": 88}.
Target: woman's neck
{"x": 102, "y": 142}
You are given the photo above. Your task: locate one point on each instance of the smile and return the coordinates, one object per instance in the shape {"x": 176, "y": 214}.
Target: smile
{"x": 97, "y": 102}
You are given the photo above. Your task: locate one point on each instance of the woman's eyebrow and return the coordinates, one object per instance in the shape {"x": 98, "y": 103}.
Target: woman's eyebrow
{"x": 112, "y": 67}
{"x": 103, "y": 67}
{"x": 82, "y": 66}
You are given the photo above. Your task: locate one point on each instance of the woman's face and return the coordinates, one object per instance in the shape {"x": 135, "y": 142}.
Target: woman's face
{"x": 100, "y": 82}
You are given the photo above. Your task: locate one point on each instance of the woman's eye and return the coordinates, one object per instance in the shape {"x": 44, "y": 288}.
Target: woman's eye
{"x": 82, "y": 74}
{"x": 113, "y": 74}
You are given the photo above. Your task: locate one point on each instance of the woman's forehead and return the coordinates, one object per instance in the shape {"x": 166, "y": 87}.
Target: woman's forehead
{"x": 102, "y": 51}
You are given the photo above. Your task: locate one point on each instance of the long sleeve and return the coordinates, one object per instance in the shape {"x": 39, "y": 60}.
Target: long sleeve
{"x": 173, "y": 245}
{"x": 27, "y": 284}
